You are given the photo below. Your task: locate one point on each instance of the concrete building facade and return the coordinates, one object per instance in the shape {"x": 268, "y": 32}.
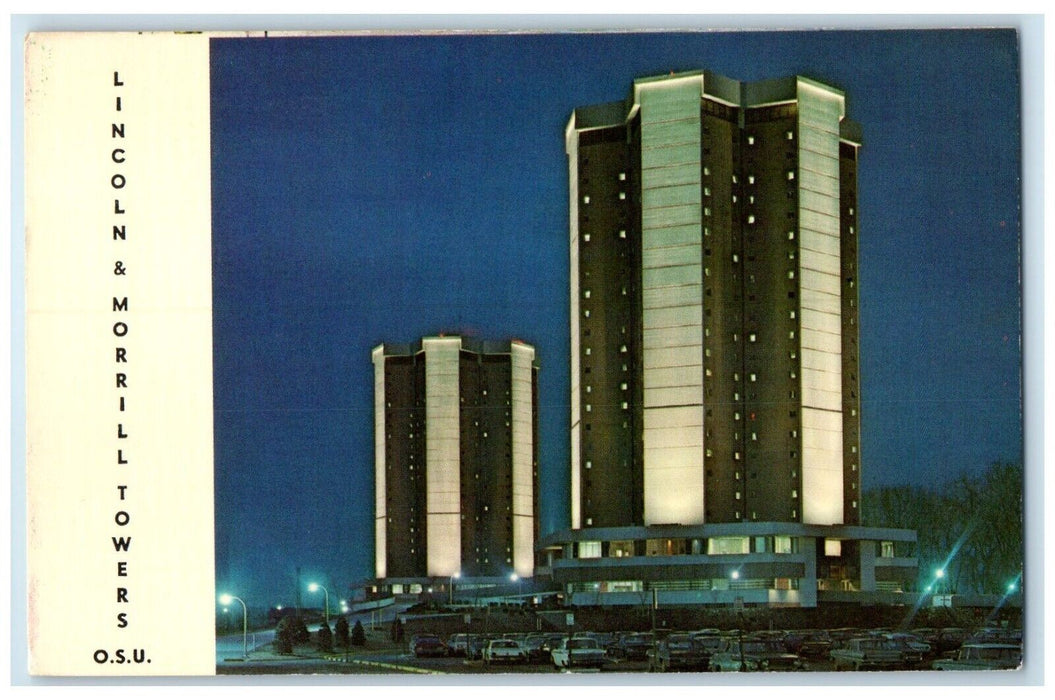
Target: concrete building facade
{"x": 715, "y": 403}
{"x": 714, "y": 306}
{"x": 456, "y": 460}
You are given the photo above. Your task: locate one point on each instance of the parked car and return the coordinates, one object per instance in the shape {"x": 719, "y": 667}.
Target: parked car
{"x": 475, "y": 645}
{"x": 583, "y": 652}
{"x": 680, "y": 652}
{"x": 982, "y": 656}
{"x": 913, "y": 649}
{"x": 633, "y": 646}
{"x": 427, "y": 645}
{"x": 867, "y": 653}
{"x": 755, "y": 655}
{"x": 815, "y": 644}
{"x": 457, "y": 644}
{"x": 504, "y": 650}
{"x": 538, "y": 646}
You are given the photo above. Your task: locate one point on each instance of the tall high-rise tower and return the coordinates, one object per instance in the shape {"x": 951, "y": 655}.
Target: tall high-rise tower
{"x": 713, "y": 304}
{"x": 456, "y": 459}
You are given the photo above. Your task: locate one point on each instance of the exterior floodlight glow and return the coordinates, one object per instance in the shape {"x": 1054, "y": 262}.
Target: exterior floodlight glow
{"x": 940, "y": 573}
{"x": 512, "y": 577}
{"x": 1011, "y": 587}
{"x": 734, "y": 575}
{"x": 313, "y": 587}
{"x": 227, "y": 599}
{"x": 278, "y": 607}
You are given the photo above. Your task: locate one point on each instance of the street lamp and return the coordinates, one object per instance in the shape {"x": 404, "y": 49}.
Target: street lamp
{"x": 516, "y": 579}
{"x": 313, "y": 587}
{"x": 227, "y": 599}
{"x": 450, "y": 587}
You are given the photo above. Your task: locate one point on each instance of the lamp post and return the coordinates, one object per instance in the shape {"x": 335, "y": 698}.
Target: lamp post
{"x": 313, "y": 587}
{"x": 450, "y": 587}
{"x": 226, "y": 599}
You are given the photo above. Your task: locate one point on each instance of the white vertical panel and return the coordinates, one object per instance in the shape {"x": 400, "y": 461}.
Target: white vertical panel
{"x": 820, "y": 111}
{"x": 671, "y": 211}
{"x": 380, "y": 486}
{"x": 442, "y": 455}
{"x": 571, "y": 141}
{"x": 523, "y": 451}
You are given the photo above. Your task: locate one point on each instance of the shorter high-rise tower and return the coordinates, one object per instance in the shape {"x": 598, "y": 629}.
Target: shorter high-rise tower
{"x": 456, "y": 459}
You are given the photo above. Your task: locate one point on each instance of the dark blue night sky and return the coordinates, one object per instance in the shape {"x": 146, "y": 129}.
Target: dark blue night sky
{"x": 370, "y": 190}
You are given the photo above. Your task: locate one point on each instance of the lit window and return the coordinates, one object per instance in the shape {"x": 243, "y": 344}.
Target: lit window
{"x": 710, "y": 452}
{"x": 735, "y": 180}
{"x": 622, "y": 348}
{"x": 791, "y": 274}
{"x": 886, "y": 549}
{"x": 833, "y": 548}
{"x": 753, "y": 377}
{"x": 589, "y": 464}
{"x": 622, "y": 195}
{"x": 782, "y": 544}
{"x": 706, "y": 170}
{"x": 707, "y": 372}
{"x": 754, "y": 436}
{"x": 623, "y": 386}
{"x": 750, "y": 140}
{"x": 791, "y": 235}
{"x": 586, "y": 294}
{"x": 791, "y": 314}
{"x": 751, "y": 219}
{"x": 851, "y": 211}
{"x": 706, "y": 211}
{"x": 728, "y": 545}
{"x": 752, "y": 338}
{"x": 587, "y": 351}
{"x": 794, "y": 493}
{"x": 589, "y": 550}
{"x": 790, "y": 135}
{"x": 586, "y": 238}
{"x": 589, "y": 521}
{"x": 707, "y": 191}
{"x": 586, "y": 199}
{"x": 622, "y": 233}
{"x": 738, "y": 495}
{"x": 586, "y": 313}
{"x": 625, "y": 405}
{"x": 589, "y": 389}
{"x": 791, "y": 174}
{"x": 589, "y": 408}
{"x": 622, "y": 176}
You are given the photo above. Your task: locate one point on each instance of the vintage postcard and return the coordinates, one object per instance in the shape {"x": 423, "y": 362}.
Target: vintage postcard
{"x": 525, "y": 353}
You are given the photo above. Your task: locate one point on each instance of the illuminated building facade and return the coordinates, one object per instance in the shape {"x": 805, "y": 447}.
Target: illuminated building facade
{"x": 715, "y": 411}
{"x": 713, "y": 305}
{"x": 456, "y": 452}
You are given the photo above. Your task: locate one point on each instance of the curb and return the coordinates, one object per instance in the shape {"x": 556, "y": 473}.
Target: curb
{"x": 383, "y": 664}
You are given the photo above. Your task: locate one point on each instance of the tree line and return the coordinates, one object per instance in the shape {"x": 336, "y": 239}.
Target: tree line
{"x": 971, "y": 527}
